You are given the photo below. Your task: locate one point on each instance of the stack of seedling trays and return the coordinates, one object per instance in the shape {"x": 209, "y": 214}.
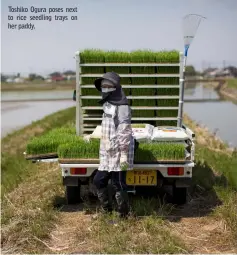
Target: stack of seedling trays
{"x": 152, "y": 89}
{"x": 64, "y": 144}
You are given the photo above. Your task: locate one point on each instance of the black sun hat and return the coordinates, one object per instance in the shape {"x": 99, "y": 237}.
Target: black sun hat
{"x": 111, "y": 76}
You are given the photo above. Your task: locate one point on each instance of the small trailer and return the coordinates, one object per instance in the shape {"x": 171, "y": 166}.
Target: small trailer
{"x": 78, "y": 174}
{"x": 153, "y": 83}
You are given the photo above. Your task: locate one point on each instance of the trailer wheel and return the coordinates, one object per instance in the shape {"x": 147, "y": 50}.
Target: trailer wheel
{"x": 73, "y": 194}
{"x": 179, "y": 195}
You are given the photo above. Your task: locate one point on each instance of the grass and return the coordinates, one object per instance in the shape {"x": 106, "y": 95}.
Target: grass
{"x": 150, "y": 235}
{"x": 232, "y": 83}
{"x": 38, "y": 86}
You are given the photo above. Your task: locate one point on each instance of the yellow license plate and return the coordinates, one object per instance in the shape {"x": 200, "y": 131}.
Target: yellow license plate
{"x": 145, "y": 178}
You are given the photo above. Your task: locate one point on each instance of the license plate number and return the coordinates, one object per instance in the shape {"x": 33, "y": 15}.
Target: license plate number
{"x": 142, "y": 178}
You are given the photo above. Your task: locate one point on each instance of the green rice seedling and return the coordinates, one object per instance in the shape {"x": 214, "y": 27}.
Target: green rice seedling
{"x": 172, "y": 123}
{"x": 144, "y": 81}
{"x": 168, "y": 69}
{"x": 92, "y": 69}
{"x": 90, "y": 102}
{"x": 167, "y": 81}
{"x": 143, "y": 113}
{"x": 168, "y": 91}
{"x": 94, "y": 112}
{"x": 127, "y": 91}
{"x": 166, "y": 113}
{"x": 136, "y": 125}
{"x": 143, "y": 91}
{"x": 88, "y": 80}
{"x": 143, "y": 56}
{"x": 92, "y": 56}
{"x": 48, "y": 143}
{"x": 167, "y": 56}
{"x": 125, "y": 81}
{"x": 117, "y": 57}
{"x": 79, "y": 149}
{"x": 144, "y": 102}
{"x": 160, "y": 151}
{"x": 167, "y": 102}
{"x": 90, "y": 92}
{"x": 141, "y": 122}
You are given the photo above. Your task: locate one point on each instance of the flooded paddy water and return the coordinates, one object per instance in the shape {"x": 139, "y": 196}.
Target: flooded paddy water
{"x": 204, "y": 105}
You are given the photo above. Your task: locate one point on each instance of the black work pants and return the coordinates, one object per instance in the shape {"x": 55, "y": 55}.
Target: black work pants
{"x": 101, "y": 180}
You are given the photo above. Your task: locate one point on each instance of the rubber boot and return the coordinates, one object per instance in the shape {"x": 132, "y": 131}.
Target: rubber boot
{"x": 103, "y": 196}
{"x": 123, "y": 203}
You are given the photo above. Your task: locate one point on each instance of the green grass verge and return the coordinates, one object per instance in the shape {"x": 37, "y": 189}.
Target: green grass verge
{"x": 232, "y": 83}
{"x": 150, "y": 235}
{"x": 14, "y": 166}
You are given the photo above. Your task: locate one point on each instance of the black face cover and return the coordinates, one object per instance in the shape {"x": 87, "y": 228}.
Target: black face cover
{"x": 116, "y": 97}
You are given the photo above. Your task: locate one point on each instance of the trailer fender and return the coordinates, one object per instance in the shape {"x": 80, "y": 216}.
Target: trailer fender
{"x": 183, "y": 183}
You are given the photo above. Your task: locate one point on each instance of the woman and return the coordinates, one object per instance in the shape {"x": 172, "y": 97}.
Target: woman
{"x": 116, "y": 145}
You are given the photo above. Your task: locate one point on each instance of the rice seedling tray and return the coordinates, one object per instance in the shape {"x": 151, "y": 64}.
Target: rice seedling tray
{"x": 78, "y": 161}
{"x": 97, "y": 161}
{"x": 42, "y": 156}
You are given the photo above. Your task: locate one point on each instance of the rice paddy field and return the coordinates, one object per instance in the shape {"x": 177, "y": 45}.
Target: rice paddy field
{"x": 65, "y": 143}
{"x": 138, "y": 56}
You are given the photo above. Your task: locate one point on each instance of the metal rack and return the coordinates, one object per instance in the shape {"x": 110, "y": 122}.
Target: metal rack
{"x": 82, "y": 127}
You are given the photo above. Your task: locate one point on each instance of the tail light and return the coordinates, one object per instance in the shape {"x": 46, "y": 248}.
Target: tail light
{"x": 78, "y": 171}
{"x": 175, "y": 170}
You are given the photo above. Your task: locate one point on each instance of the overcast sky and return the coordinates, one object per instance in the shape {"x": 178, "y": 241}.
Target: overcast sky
{"x": 118, "y": 24}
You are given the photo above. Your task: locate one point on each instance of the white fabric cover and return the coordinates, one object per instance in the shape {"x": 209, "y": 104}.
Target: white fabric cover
{"x": 143, "y": 134}
{"x": 169, "y": 134}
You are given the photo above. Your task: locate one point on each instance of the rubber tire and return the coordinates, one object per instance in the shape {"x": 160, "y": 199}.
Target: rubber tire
{"x": 73, "y": 194}
{"x": 179, "y": 195}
